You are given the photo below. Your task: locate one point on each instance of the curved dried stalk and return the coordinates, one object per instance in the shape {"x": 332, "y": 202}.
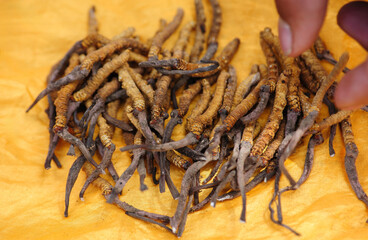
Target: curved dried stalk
{"x": 229, "y": 93}
{"x": 245, "y": 87}
{"x": 63, "y": 96}
{"x": 207, "y": 117}
{"x": 245, "y": 147}
{"x": 271, "y": 60}
{"x": 324, "y": 54}
{"x": 264, "y": 95}
{"x": 142, "y": 84}
{"x": 202, "y": 103}
{"x": 182, "y": 42}
{"x": 200, "y": 32}
{"x": 166, "y": 32}
{"x": 99, "y": 182}
{"x": 102, "y": 74}
{"x": 215, "y": 28}
{"x": 275, "y": 117}
{"x": 307, "y": 77}
{"x": 92, "y": 21}
{"x": 94, "y": 176}
{"x": 350, "y": 158}
{"x": 128, "y": 173}
{"x": 271, "y": 149}
{"x": 127, "y": 33}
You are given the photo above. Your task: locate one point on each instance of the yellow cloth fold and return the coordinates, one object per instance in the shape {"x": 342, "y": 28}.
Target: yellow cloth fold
{"x": 36, "y": 34}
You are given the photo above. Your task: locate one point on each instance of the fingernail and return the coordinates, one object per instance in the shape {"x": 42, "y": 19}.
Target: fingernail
{"x": 286, "y": 37}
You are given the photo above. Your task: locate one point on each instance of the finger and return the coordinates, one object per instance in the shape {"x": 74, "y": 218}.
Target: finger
{"x": 352, "y": 18}
{"x": 299, "y": 23}
{"x": 352, "y": 91}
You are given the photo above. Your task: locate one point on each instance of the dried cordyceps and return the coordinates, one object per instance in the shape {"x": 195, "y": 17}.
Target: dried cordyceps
{"x": 246, "y": 140}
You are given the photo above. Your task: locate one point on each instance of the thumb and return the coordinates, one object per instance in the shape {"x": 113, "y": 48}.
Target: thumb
{"x": 352, "y": 91}
{"x": 299, "y": 24}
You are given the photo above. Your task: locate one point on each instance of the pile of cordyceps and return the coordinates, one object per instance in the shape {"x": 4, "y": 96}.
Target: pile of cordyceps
{"x": 98, "y": 76}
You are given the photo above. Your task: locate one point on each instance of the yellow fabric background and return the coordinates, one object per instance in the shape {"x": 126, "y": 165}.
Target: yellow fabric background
{"x": 35, "y": 34}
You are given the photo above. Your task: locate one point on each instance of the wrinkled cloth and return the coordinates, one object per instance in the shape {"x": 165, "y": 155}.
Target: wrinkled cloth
{"x": 36, "y": 34}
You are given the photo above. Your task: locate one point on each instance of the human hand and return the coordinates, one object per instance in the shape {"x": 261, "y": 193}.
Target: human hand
{"x": 299, "y": 25}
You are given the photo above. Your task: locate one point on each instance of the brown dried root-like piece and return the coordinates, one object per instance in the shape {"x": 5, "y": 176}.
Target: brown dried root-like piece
{"x": 309, "y": 159}
{"x": 177, "y": 160}
{"x": 202, "y": 103}
{"x": 106, "y": 160}
{"x": 180, "y": 66}
{"x": 124, "y": 178}
{"x": 244, "y": 106}
{"x": 106, "y": 131}
{"x": 229, "y": 93}
{"x": 182, "y": 42}
{"x": 63, "y": 96}
{"x": 99, "y": 182}
{"x": 132, "y": 90}
{"x": 98, "y": 105}
{"x": 271, "y": 63}
{"x": 99, "y": 78}
{"x": 215, "y": 28}
{"x": 207, "y": 117}
{"x": 142, "y": 84}
{"x": 245, "y": 87}
{"x": 275, "y": 117}
{"x": 315, "y": 67}
{"x": 350, "y": 158}
{"x": 270, "y": 151}
{"x": 324, "y": 54}
{"x": 245, "y": 148}
{"x": 200, "y": 32}
{"x": 330, "y": 121}
{"x": 166, "y": 32}
{"x": 264, "y": 95}
{"x": 307, "y": 122}
{"x": 307, "y": 77}
{"x": 92, "y": 21}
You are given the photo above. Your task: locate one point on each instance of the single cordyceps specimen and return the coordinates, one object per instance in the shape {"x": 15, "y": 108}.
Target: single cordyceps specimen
{"x": 202, "y": 103}
{"x": 63, "y": 95}
{"x": 163, "y": 35}
{"x": 244, "y": 88}
{"x": 350, "y": 158}
{"x": 229, "y": 93}
{"x": 200, "y": 30}
{"x": 215, "y": 28}
{"x": 275, "y": 117}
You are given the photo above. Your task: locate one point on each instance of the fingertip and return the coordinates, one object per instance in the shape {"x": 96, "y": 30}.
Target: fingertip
{"x": 351, "y": 92}
{"x": 352, "y": 18}
{"x": 299, "y": 21}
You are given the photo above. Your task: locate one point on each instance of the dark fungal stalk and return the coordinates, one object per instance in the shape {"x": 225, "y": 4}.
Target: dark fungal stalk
{"x": 350, "y": 158}
{"x": 99, "y": 169}
{"x": 324, "y": 54}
